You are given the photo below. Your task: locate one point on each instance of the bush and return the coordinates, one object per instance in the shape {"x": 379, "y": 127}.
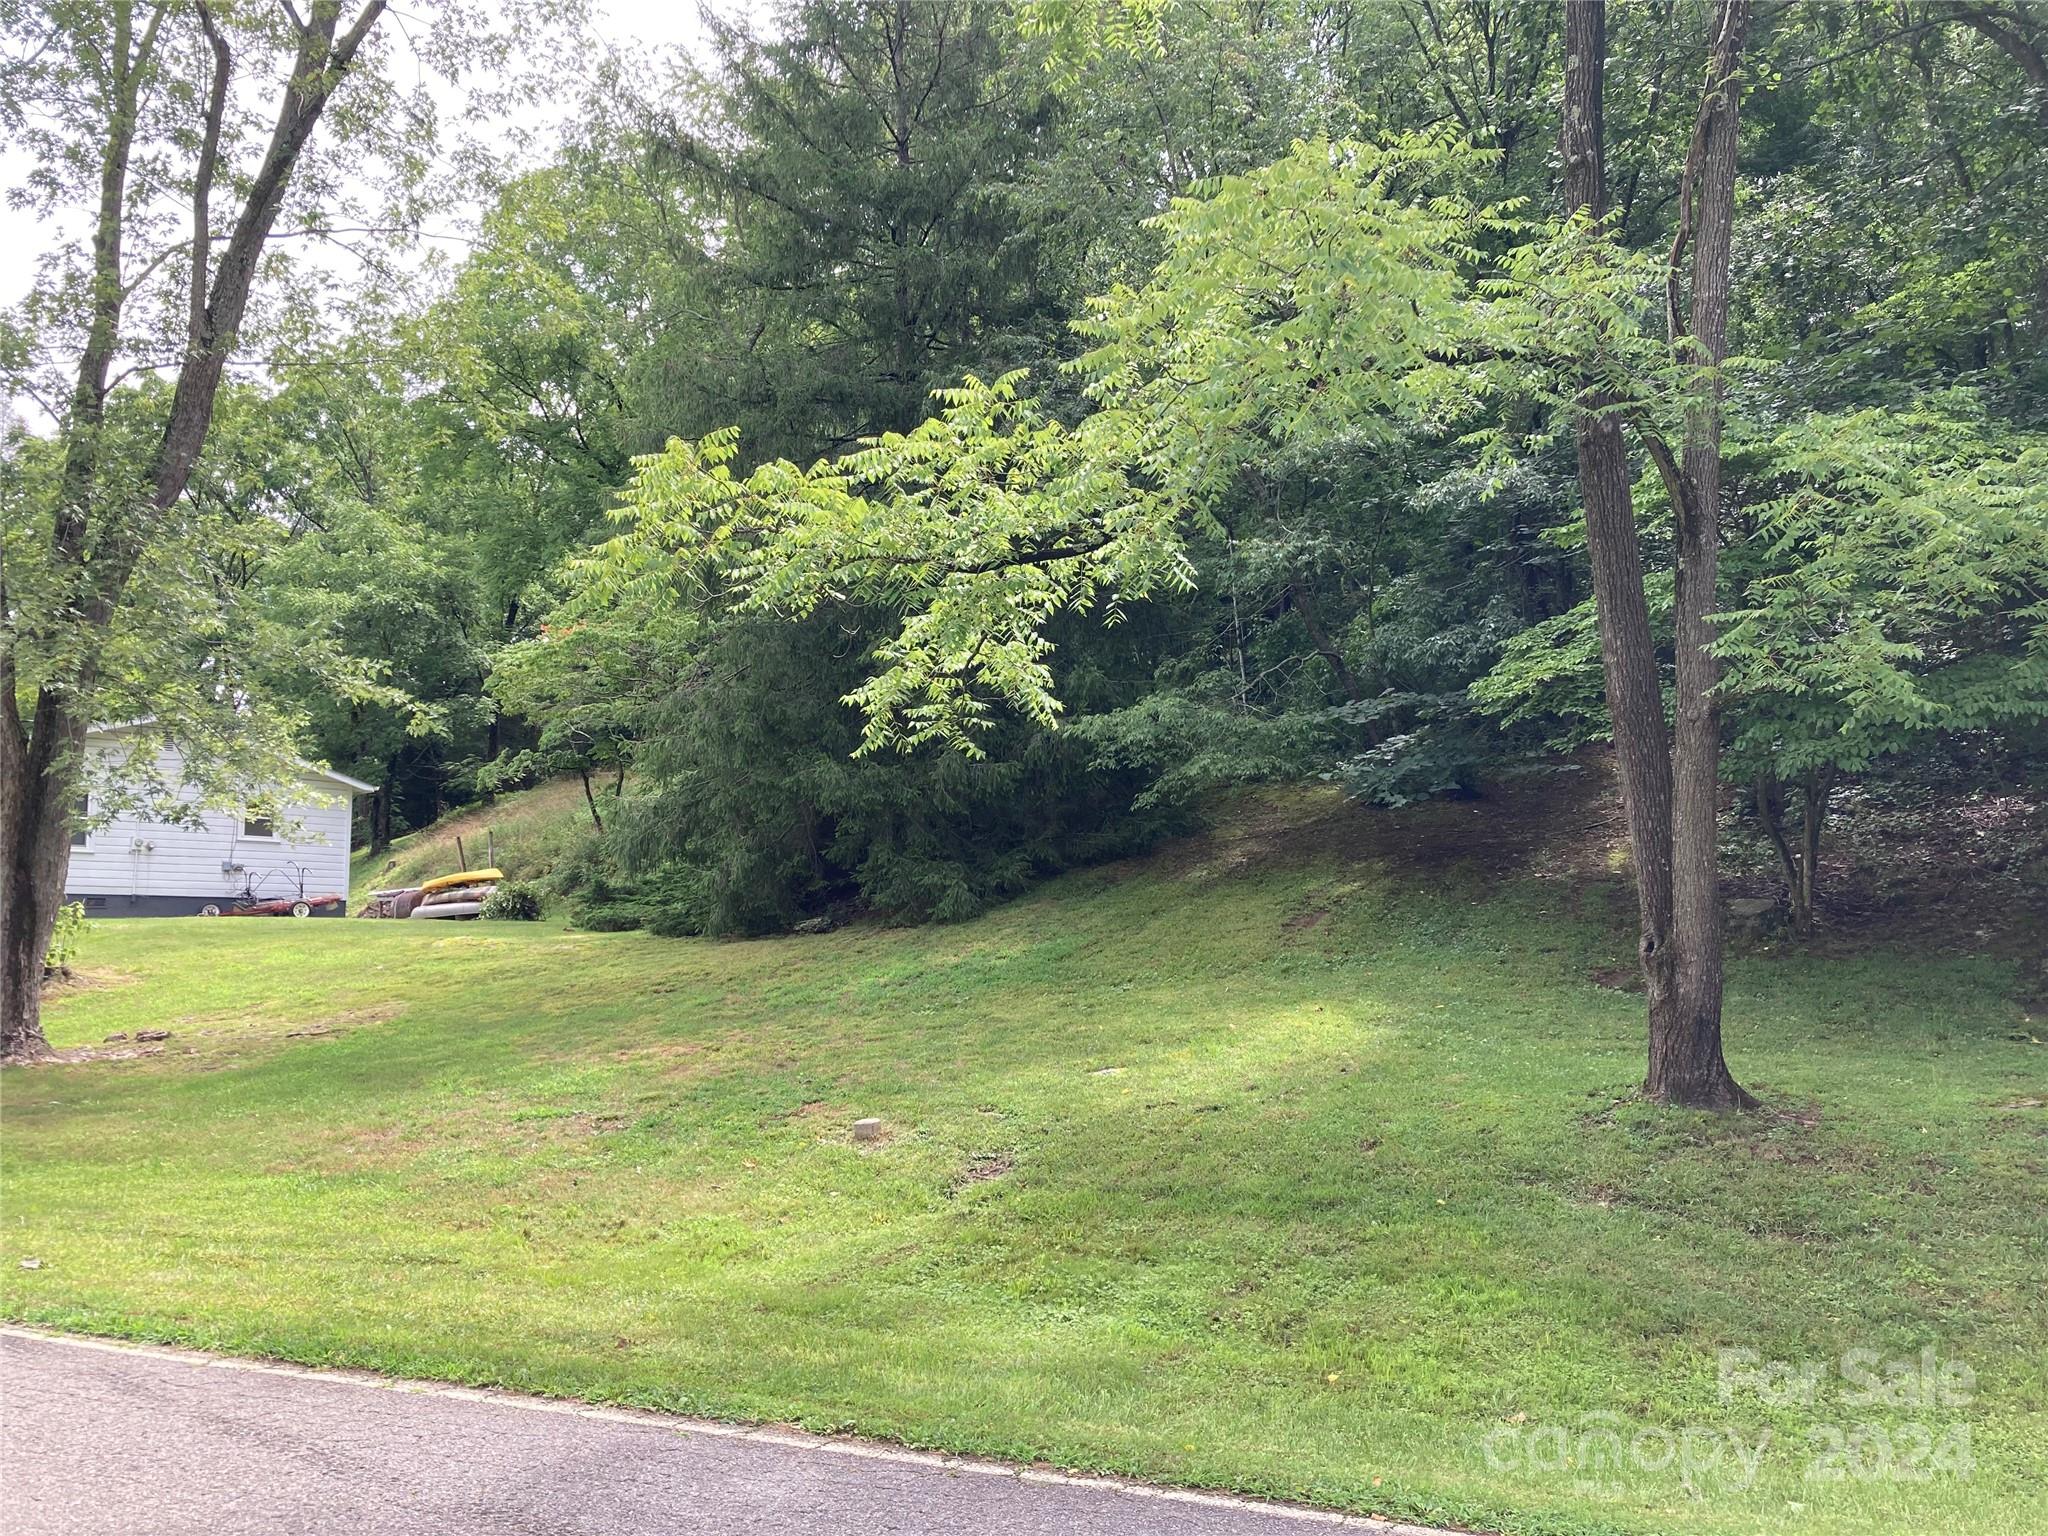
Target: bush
{"x": 513, "y": 900}
{"x": 64, "y": 939}
{"x": 753, "y": 812}
{"x": 600, "y": 899}
{"x": 1442, "y": 751}
{"x": 609, "y": 916}
{"x": 663, "y": 902}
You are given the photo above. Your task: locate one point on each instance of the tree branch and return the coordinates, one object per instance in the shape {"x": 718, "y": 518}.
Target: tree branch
{"x": 2004, "y": 29}
{"x": 320, "y": 66}
{"x": 202, "y": 179}
{"x": 1676, "y": 486}
{"x": 1720, "y": 73}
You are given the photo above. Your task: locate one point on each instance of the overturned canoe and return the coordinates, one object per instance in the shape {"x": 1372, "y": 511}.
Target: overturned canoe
{"x": 463, "y": 877}
{"x": 456, "y": 893}
{"x": 449, "y": 909}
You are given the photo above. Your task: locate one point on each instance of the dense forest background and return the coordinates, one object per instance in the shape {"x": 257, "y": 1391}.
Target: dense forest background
{"x": 846, "y": 207}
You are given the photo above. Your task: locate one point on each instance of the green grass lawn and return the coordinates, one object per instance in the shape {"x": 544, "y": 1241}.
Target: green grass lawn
{"x": 1273, "y": 1164}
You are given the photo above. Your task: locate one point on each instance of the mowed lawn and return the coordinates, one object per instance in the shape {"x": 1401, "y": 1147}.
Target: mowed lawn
{"x": 1310, "y": 1173}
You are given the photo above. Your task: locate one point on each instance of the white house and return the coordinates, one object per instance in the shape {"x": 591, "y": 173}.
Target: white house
{"x": 129, "y": 865}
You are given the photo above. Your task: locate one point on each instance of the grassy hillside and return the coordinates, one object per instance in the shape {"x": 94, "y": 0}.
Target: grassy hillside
{"x": 531, "y": 830}
{"x": 1302, "y": 1158}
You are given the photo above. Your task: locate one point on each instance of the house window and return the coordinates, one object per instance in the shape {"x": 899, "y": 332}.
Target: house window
{"x": 254, "y": 825}
{"x": 81, "y": 833}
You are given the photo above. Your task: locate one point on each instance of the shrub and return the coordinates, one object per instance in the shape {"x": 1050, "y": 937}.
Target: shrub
{"x": 514, "y": 900}
{"x": 663, "y": 902}
{"x": 600, "y": 900}
{"x": 64, "y": 939}
{"x": 609, "y": 916}
{"x": 1443, "y": 750}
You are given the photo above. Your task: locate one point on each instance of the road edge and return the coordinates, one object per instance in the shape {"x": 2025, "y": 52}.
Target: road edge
{"x": 770, "y": 1434}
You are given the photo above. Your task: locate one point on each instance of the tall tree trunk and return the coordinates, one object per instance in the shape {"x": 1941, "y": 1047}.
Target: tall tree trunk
{"x": 1670, "y": 778}
{"x": 40, "y": 758}
{"x": 1686, "y": 1061}
{"x": 36, "y": 796}
{"x": 1628, "y": 649}
{"x": 491, "y": 748}
{"x": 910, "y": 403}
{"x": 1819, "y": 786}
{"x": 380, "y": 811}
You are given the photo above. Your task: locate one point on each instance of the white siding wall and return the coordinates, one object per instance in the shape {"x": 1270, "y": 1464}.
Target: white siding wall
{"x": 129, "y": 856}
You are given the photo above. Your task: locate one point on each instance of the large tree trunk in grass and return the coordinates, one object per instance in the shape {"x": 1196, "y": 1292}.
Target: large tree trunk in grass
{"x": 1668, "y": 778}
{"x": 1686, "y": 1063}
{"x": 39, "y": 756}
{"x": 1628, "y": 649}
{"x": 35, "y": 852}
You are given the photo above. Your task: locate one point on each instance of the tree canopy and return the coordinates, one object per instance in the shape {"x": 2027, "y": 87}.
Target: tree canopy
{"x": 909, "y": 448}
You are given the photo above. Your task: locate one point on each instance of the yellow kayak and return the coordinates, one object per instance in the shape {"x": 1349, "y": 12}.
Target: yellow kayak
{"x": 466, "y": 877}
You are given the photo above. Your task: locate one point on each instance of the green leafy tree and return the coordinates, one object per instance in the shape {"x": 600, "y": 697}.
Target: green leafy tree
{"x": 433, "y": 470}
{"x": 1902, "y": 597}
{"x": 531, "y": 358}
{"x": 860, "y": 160}
{"x": 1884, "y": 593}
{"x": 100, "y": 91}
{"x": 855, "y": 188}
{"x": 991, "y": 517}
{"x": 590, "y": 681}
{"x": 1329, "y": 297}
{"x": 197, "y": 136}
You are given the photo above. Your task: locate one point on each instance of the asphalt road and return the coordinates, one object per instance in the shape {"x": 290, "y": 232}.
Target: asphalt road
{"x": 105, "y": 1440}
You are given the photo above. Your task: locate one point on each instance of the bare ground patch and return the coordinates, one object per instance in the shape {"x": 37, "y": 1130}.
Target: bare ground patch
{"x": 981, "y": 1169}
{"x": 687, "y": 1060}
{"x": 1563, "y": 822}
{"x": 202, "y": 1035}
{"x": 1961, "y": 874}
{"x": 76, "y": 1055}
{"x": 210, "y": 1027}
{"x": 82, "y": 979}
{"x": 1958, "y": 875}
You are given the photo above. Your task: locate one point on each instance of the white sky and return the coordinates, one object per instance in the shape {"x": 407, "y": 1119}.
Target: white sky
{"x": 658, "y": 24}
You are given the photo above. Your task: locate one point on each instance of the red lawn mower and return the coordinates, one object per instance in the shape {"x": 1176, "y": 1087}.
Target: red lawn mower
{"x": 250, "y": 901}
